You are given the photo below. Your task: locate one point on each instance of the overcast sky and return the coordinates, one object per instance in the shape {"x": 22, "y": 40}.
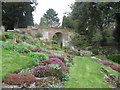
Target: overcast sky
{"x": 60, "y": 6}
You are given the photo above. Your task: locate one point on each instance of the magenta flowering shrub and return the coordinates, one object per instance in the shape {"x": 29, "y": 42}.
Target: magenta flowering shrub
{"x": 44, "y": 71}
{"x": 115, "y": 67}
{"x": 54, "y": 56}
{"x": 39, "y": 50}
{"x": 48, "y": 68}
{"x": 54, "y": 61}
{"x": 19, "y": 79}
{"x": 106, "y": 62}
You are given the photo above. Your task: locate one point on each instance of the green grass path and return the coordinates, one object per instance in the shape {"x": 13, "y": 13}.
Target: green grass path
{"x": 13, "y": 61}
{"x": 86, "y": 74}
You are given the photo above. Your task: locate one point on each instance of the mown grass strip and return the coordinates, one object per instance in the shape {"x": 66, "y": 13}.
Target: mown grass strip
{"x": 85, "y": 73}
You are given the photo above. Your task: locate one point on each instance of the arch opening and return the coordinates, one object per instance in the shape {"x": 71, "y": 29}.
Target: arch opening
{"x": 58, "y": 39}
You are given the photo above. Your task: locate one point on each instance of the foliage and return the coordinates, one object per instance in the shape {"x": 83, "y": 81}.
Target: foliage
{"x": 106, "y": 62}
{"x": 50, "y": 67}
{"x": 13, "y": 62}
{"x": 115, "y": 67}
{"x": 43, "y": 22}
{"x": 116, "y": 32}
{"x": 66, "y": 47}
{"x": 51, "y": 61}
{"x": 38, "y": 56}
{"x": 27, "y": 70}
{"x": 17, "y": 14}
{"x": 79, "y": 41}
{"x": 44, "y": 71}
{"x": 67, "y": 22}
{"x": 68, "y": 64}
{"x": 114, "y": 58}
{"x": 5, "y": 36}
{"x": 41, "y": 56}
{"x": 18, "y": 47}
{"x": 65, "y": 76}
{"x": 90, "y": 18}
{"x": 54, "y": 56}
{"x": 19, "y": 79}
{"x": 39, "y": 50}
{"x": 55, "y": 66}
{"x": 51, "y": 17}
{"x": 73, "y": 52}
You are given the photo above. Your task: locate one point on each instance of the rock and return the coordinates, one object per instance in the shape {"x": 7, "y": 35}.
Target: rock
{"x": 85, "y": 53}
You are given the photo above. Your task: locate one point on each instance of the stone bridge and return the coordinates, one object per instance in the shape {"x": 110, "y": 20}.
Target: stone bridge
{"x": 48, "y": 33}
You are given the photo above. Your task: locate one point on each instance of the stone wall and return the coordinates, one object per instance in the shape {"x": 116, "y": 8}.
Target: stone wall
{"x": 48, "y": 33}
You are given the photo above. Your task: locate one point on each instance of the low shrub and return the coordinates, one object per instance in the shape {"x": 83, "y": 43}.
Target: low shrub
{"x": 27, "y": 70}
{"x": 106, "y": 62}
{"x": 6, "y": 35}
{"x": 50, "y": 67}
{"x": 23, "y": 47}
{"x": 114, "y": 58}
{"x": 61, "y": 58}
{"x": 73, "y": 52}
{"x": 17, "y": 47}
{"x": 65, "y": 76}
{"x": 54, "y": 61}
{"x": 44, "y": 71}
{"x": 70, "y": 53}
{"x": 39, "y": 50}
{"x": 66, "y": 47}
{"x": 68, "y": 64}
{"x": 19, "y": 79}
{"x": 115, "y": 67}
{"x": 38, "y": 56}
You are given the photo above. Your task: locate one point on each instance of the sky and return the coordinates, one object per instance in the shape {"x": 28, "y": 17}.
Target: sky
{"x": 60, "y": 6}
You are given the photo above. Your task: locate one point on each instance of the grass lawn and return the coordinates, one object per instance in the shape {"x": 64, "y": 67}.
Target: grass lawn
{"x": 13, "y": 62}
{"x": 86, "y": 74}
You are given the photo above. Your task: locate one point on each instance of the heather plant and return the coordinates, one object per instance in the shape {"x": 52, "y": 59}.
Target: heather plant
{"x": 44, "y": 71}
{"x": 50, "y": 67}
{"x": 54, "y": 61}
{"x": 19, "y": 79}
{"x": 59, "y": 57}
{"x": 106, "y": 62}
{"x": 39, "y": 50}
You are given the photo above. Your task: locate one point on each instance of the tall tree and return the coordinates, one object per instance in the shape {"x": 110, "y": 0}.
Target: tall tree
{"x": 17, "y": 14}
{"x": 116, "y": 32}
{"x": 91, "y": 16}
{"x": 51, "y": 17}
{"x": 67, "y": 22}
{"x": 43, "y": 22}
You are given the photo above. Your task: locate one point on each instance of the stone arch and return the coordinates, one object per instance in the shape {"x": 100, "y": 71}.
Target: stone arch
{"x": 59, "y": 36}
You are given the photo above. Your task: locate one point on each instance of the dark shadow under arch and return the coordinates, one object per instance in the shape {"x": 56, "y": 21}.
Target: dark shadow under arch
{"x": 58, "y": 38}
